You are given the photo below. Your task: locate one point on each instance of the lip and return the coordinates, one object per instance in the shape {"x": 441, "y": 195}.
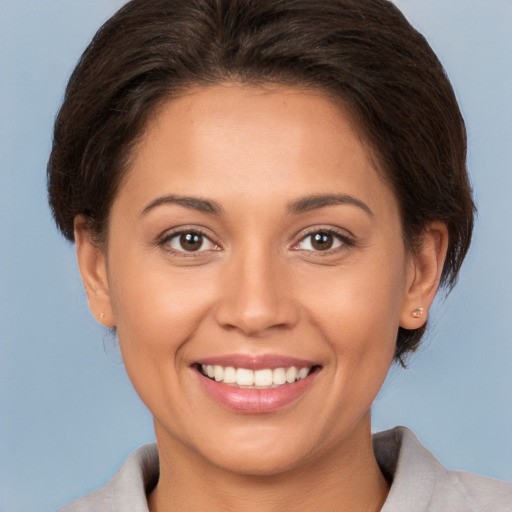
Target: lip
{"x": 255, "y": 401}
{"x": 257, "y": 362}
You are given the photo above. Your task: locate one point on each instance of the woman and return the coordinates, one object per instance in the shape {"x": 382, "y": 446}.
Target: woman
{"x": 265, "y": 197}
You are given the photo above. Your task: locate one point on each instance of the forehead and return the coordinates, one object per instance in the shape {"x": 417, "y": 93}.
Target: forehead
{"x": 252, "y": 142}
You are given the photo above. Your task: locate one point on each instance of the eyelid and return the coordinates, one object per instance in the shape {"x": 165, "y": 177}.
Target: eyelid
{"x": 347, "y": 240}
{"x": 164, "y": 239}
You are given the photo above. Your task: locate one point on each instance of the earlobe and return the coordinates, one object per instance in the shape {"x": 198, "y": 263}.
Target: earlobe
{"x": 93, "y": 269}
{"x": 424, "y": 276}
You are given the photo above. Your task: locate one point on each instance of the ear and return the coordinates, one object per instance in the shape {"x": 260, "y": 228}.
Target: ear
{"x": 92, "y": 263}
{"x": 423, "y": 276}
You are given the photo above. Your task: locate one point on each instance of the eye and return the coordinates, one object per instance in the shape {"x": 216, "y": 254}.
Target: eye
{"x": 322, "y": 240}
{"x": 189, "y": 241}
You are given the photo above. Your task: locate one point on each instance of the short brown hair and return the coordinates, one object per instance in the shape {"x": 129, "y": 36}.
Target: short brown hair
{"x": 363, "y": 52}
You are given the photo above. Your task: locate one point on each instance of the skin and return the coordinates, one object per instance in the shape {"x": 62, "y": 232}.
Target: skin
{"x": 258, "y": 286}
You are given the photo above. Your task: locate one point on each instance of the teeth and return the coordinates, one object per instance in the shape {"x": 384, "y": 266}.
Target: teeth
{"x": 265, "y": 378}
{"x": 303, "y": 372}
{"x": 244, "y": 377}
{"x": 291, "y": 374}
{"x": 218, "y": 373}
{"x": 279, "y": 376}
{"x": 229, "y": 375}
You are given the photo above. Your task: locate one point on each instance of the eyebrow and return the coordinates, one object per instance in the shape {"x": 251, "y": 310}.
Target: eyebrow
{"x": 302, "y": 205}
{"x": 317, "y": 201}
{"x": 193, "y": 203}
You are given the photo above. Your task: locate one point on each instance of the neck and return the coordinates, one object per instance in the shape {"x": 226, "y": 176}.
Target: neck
{"x": 347, "y": 478}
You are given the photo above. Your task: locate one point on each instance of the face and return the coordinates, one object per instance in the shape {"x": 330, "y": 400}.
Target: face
{"x": 257, "y": 277}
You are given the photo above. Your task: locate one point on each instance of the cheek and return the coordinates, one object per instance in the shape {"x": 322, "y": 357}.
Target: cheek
{"x": 157, "y": 310}
{"x": 156, "y": 313}
{"x": 358, "y": 310}
{"x": 355, "y": 298}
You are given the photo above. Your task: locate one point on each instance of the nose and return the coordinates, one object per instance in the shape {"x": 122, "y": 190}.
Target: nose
{"x": 256, "y": 296}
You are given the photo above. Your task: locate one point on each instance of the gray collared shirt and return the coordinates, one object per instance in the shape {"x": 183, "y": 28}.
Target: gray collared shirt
{"x": 420, "y": 483}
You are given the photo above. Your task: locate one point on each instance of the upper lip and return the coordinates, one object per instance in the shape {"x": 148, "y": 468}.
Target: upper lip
{"x": 253, "y": 362}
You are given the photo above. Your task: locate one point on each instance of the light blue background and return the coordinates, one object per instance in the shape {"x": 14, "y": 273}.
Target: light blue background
{"x": 68, "y": 415}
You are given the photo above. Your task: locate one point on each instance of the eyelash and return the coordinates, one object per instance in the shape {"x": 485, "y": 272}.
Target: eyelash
{"x": 345, "y": 240}
{"x": 165, "y": 240}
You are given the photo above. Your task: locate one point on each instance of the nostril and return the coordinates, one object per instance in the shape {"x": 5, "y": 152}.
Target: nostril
{"x": 255, "y": 321}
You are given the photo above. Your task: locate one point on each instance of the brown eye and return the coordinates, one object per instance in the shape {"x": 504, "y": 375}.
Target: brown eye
{"x": 191, "y": 241}
{"x": 322, "y": 241}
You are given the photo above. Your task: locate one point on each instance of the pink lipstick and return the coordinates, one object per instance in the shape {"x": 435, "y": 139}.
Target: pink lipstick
{"x": 255, "y": 385}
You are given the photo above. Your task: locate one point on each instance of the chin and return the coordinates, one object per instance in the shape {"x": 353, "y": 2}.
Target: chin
{"x": 259, "y": 463}
{"x": 262, "y": 451}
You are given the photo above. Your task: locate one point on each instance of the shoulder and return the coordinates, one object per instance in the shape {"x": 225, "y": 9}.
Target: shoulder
{"x": 421, "y": 483}
{"x": 127, "y": 490}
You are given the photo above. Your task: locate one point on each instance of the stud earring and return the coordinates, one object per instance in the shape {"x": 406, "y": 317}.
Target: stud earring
{"x": 418, "y": 312}
{"x": 102, "y": 315}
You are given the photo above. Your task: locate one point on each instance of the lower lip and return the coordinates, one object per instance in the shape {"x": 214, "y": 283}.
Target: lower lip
{"x": 255, "y": 401}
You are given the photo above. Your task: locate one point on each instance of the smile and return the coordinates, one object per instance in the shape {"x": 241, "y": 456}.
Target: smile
{"x": 266, "y": 378}
{"x": 256, "y": 385}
